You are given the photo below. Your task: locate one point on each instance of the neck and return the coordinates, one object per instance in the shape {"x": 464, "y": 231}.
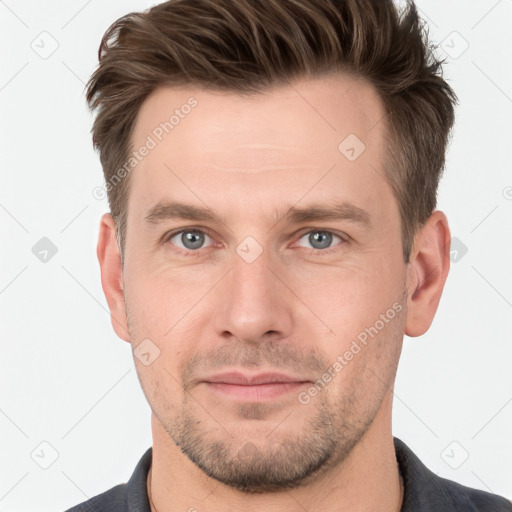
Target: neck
{"x": 368, "y": 479}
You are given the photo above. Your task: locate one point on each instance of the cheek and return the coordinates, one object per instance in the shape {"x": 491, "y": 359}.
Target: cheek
{"x": 163, "y": 309}
{"x": 367, "y": 357}
{"x": 350, "y": 297}
{"x": 159, "y": 382}
{"x": 158, "y": 301}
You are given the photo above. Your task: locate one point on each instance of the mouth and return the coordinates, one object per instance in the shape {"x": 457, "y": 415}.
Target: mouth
{"x": 260, "y": 387}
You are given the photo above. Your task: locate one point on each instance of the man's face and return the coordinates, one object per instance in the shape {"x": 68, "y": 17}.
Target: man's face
{"x": 262, "y": 288}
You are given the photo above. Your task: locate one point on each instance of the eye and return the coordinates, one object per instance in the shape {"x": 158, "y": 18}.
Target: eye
{"x": 320, "y": 240}
{"x": 189, "y": 239}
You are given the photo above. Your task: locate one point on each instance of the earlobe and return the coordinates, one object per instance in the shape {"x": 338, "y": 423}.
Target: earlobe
{"x": 109, "y": 259}
{"x": 428, "y": 269}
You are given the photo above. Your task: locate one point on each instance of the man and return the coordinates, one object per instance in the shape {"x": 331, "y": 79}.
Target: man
{"x": 272, "y": 169}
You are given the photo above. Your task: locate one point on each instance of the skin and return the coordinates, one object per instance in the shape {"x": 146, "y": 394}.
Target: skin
{"x": 294, "y": 309}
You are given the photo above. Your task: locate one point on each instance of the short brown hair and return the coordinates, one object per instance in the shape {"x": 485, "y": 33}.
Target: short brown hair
{"x": 246, "y": 46}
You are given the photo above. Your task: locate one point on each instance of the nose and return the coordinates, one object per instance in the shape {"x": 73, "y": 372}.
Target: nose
{"x": 254, "y": 304}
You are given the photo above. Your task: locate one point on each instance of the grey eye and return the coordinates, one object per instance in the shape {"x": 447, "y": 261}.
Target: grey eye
{"x": 190, "y": 240}
{"x": 320, "y": 239}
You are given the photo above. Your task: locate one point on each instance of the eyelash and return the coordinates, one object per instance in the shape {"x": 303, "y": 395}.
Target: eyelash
{"x": 197, "y": 252}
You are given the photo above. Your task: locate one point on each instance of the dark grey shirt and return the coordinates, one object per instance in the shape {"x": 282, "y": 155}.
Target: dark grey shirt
{"x": 424, "y": 491}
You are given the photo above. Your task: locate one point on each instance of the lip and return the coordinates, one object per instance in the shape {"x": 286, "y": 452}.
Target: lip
{"x": 242, "y": 379}
{"x": 256, "y": 388}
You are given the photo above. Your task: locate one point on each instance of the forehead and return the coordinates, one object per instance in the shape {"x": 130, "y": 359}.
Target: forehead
{"x": 280, "y": 117}
{"x": 285, "y": 137}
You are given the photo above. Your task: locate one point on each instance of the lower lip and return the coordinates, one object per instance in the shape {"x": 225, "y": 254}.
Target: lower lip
{"x": 256, "y": 392}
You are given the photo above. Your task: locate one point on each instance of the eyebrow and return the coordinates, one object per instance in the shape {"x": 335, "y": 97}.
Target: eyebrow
{"x": 163, "y": 211}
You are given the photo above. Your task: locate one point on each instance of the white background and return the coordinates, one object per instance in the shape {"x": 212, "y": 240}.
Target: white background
{"x": 66, "y": 378}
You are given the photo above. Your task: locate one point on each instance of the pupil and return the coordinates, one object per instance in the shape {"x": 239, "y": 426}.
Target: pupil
{"x": 320, "y": 239}
{"x": 192, "y": 239}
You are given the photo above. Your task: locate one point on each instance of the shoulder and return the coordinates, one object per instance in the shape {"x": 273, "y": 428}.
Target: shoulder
{"x": 469, "y": 499}
{"x": 426, "y": 492}
{"x": 125, "y": 497}
{"x": 113, "y": 500}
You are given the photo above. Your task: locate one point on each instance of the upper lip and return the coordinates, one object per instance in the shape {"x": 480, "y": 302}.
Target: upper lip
{"x": 252, "y": 380}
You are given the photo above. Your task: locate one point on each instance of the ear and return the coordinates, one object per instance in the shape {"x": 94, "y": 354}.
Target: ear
{"x": 109, "y": 258}
{"x": 427, "y": 272}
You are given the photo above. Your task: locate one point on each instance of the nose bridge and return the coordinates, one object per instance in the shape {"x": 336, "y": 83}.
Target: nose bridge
{"x": 254, "y": 302}
{"x": 252, "y": 279}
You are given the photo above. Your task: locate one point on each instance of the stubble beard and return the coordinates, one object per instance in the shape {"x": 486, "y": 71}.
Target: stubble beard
{"x": 268, "y": 462}
{"x": 280, "y": 459}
